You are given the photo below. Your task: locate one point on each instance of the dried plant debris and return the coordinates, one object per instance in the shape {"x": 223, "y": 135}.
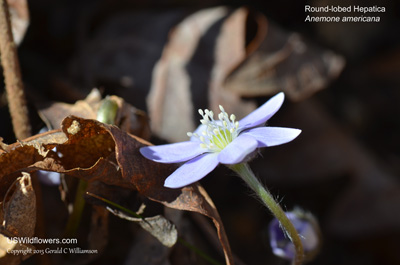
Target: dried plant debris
{"x": 20, "y": 207}
{"x": 129, "y": 118}
{"x": 18, "y": 220}
{"x": 287, "y": 62}
{"x": 101, "y": 152}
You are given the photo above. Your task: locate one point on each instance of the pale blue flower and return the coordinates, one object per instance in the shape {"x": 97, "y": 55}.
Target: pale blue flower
{"x": 308, "y": 229}
{"x": 222, "y": 141}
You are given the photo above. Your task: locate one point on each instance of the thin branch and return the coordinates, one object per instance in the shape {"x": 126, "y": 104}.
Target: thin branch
{"x": 12, "y": 76}
{"x": 17, "y": 105}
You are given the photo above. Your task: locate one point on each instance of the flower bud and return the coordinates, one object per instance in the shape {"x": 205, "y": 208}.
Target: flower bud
{"x": 308, "y": 229}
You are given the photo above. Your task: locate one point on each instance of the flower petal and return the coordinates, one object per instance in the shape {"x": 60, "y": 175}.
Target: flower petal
{"x": 237, "y": 151}
{"x": 173, "y": 153}
{"x": 263, "y": 113}
{"x": 192, "y": 171}
{"x": 271, "y": 136}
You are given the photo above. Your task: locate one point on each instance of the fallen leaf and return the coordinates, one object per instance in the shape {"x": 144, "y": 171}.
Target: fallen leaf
{"x": 20, "y": 209}
{"x": 18, "y": 214}
{"x": 285, "y": 61}
{"x": 171, "y": 82}
{"x": 128, "y": 118}
{"x": 99, "y": 152}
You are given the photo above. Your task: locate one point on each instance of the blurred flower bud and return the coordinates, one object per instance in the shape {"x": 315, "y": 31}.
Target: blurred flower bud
{"x": 308, "y": 229}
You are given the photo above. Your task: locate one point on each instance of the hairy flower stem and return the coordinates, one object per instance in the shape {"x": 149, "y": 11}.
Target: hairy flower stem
{"x": 12, "y": 76}
{"x": 244, "y": 171}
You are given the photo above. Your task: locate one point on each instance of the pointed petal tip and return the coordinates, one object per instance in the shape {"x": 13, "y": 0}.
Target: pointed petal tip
{"x": 296, "y": 132}
{"x": 263, "y": 113}
{"x": 280, "y": 95}
{"x": 168, "y": 183}
{"x": 272, "y": 136}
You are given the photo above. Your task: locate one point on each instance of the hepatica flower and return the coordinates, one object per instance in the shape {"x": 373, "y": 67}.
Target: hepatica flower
{"x": 306, "y": 225}
{"x": 221, "y": 141}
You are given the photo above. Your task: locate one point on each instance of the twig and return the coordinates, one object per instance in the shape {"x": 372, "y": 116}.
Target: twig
{"x": 12, "y": 76}
{"x": 17, "y": 104}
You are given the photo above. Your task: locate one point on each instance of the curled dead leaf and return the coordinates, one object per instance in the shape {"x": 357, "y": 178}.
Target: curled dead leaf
{"x": 128, "y": 118}
{"x": 19, "y": 214}
{"x": 20, "y": 208}
{"x": 101, "y": 152}
{"x": 285, "y": 61}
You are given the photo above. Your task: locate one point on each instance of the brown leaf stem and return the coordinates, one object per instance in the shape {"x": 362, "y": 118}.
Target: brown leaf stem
{"x": 12, "y": 76}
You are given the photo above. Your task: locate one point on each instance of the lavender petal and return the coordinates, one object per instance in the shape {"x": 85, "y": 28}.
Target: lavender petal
{"x": 173, "y": 153}
{"x": 192, "y": 171}
{"x": 263, "y": 113}
{"x": 237, "y": 150}
{"x": 271, "y": 136}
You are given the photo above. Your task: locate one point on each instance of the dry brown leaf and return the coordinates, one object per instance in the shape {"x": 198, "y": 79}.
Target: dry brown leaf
{"x": 96, "y": 151}
{"x": 20, "y": 209}
{"x": 230, "y": 51}
{"x": 201, "y": 52}
{"x": 169, "y": 101}
{"x": 18, "y": 212}
{"x": 285, "y": 62}
{"x": 129, "y": 118}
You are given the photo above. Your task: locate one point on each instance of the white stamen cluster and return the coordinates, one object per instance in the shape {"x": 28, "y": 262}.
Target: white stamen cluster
{"x": 218, "y": 133}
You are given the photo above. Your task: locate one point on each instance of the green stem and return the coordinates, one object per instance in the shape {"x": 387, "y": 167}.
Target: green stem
{"x": 248, "y": 176}
{"x": 79, "y": 205}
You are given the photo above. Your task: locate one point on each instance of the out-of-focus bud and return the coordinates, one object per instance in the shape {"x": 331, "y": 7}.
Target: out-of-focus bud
{"x": 308, "y": 229}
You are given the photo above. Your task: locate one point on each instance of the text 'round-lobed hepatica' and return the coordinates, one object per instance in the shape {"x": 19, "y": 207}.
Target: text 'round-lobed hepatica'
{"x": 224, "y": 141}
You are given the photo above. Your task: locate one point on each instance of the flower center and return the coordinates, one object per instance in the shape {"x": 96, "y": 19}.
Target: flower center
{"x": 217, "y": 134}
